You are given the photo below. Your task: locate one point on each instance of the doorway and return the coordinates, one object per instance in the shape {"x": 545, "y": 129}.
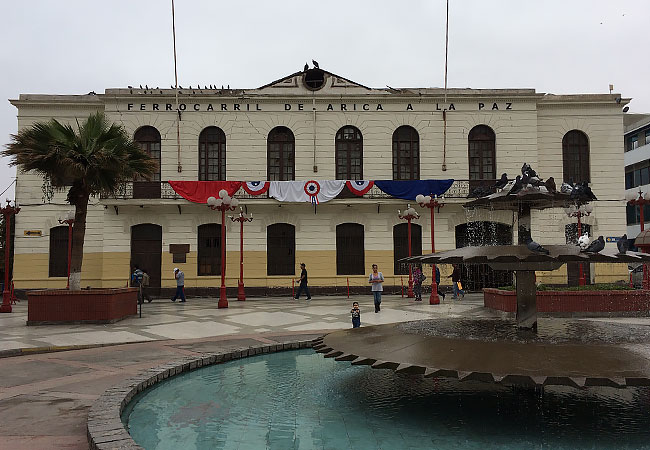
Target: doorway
{"x": 146, "y": 252}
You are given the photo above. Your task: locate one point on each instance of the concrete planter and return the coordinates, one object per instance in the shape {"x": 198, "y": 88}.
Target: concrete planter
{"x": 55, "y": 306}
{"x": 632, "y": 301}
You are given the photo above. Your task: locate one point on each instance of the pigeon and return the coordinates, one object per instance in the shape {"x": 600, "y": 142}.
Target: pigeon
{"x": 501, "y": 182}
{"x": 622, "y": 244}
{"x": 535, "y": 247}
{"x": 525, "y": 180}
{"x": 596, "y": 246}
{"x": 315, "y": 64}
{"x": 535, "y": 181}
{"x": 306, "y": 67}
{"x": 140, "y": 86}
{"x": 130, "y": 87}
{"x": 517, "y": 186}
{"x": 566, "y": 188}
{"x": 587, "y": 192}
{"x": 479, "y": 191}
{"x": 527, "y": 170}
{"x": 146, "y": 87}
{"x": 550, "y": 184}
{"x": 583, "y": 241}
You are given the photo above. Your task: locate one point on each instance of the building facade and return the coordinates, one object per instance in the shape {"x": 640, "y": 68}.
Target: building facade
{"x": 315, "y": 125}
{"x": 637, "y": 167}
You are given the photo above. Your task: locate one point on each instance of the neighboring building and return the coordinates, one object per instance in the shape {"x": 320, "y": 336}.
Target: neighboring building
{"x": 637, "y": 167}
{"x": 318, "y": 125}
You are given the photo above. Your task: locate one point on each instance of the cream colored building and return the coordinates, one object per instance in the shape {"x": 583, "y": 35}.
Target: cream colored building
{"x": 542, "y": 129}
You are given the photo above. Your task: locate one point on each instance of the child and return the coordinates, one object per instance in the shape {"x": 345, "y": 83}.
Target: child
{"x": 418, "y": 278}
{"x": 356, "y": 315}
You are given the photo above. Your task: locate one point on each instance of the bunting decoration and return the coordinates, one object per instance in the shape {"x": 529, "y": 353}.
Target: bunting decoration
{"x": 200, "y": 191}
{"x": 407, "y": 190}
{"x": 359, "y": 187}
{"x": 256, "y": 187}
{"x": 306, "y": 191}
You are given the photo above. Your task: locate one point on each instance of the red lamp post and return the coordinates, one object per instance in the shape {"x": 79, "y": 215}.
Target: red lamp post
{"x": 579, "y": 212}
{"x": 223, "y": 203}
{"x": 409, "y": 215}
{"x": 432, "y": 203}
{"x": 241, "y": 218}
{"x": 7, "y": 212}
{"x": 69, "y": 220}
{"x": 640, "y": 201}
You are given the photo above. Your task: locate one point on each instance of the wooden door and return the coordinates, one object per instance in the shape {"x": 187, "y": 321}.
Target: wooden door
{"x": 146, "y": 252}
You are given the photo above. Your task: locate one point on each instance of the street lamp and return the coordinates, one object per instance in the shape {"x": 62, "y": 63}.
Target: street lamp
{"x": 409, "y": 215}
{"x": 7, "y": 212}
{"x": 579, "y": 212}
{"x": 241, "y": 218}
{"x": 641, "y": 200}
{"x": 425, "y": 201}
{"x": 69, "y": 220}
{"x": 223, "y": 203}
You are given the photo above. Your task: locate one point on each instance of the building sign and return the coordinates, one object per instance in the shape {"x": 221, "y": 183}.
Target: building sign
{"x": 612, "y": 239}
{"x": 340, "y": 107}
{"x": 33, "y": 233}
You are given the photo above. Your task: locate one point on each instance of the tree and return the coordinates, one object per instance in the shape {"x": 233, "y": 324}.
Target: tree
{"x": 93, "y": 159}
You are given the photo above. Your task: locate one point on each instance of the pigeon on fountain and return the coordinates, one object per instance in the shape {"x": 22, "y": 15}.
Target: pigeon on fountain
{"x": 501, "y": 182}
{"x": 517, "y": 186}
{"x": 622, "y": 244}
{"x": 550, "y": 184}
{"x": 596, "y": 246}
{"x": 583, "y": 241}
{"x": 527, "y": 170}
{"x": 535, "y": 247}
{"x": 566, "y": 188}
{"x": 587, "y": 192}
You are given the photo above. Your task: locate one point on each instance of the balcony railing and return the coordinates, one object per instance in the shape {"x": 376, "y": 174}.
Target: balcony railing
{"x": 163, "y": 190}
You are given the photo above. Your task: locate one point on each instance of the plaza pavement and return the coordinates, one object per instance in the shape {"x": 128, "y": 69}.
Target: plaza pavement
{"x": 46, "y": 392}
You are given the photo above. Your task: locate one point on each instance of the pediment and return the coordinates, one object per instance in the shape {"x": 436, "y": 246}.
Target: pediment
{"x": 308, "y": 81}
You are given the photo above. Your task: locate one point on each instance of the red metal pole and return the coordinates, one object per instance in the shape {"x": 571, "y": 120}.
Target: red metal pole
{"x": 6, "y": 294}
{"x": 348, "y": 278}
{"x": 223, "y": 301}
{"x": 241, "y": 295}
{"x": 433, "y": 298}
{"x": 409, "y": 293}
{"x": 402, "y": 280}
{"x": 581, "y": 278}
{"x": 293, "y": 288}
{"x": 69, "y": 252}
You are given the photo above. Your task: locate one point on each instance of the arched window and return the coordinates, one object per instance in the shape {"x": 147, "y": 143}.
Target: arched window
{"x": 401, "y": 245}
{"x": 148, "y": 138}
{"x": 212, "y": 154}
{"x": 209, "y": 249}
{"x": 349, "y": 154}
{"x": 59, "y": 251}
{"x": 482, "y": 156}
{"x": 406, "y": 154}
{"x": 281, "y": 249}
{"x": 349, "y": 249}
{"x": 575, "y": 156}
{"x": 280, "y": 155}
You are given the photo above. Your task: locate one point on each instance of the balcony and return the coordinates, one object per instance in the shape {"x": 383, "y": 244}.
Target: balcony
{"x": 162, "y": 190}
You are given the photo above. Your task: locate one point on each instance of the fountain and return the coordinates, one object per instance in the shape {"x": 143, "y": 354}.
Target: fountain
{"x": 498, "y": 350}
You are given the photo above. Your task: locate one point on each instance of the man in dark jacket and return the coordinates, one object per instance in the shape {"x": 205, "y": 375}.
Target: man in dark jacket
{"x": 303, "y": 283}
{"x": 455, "y": 280}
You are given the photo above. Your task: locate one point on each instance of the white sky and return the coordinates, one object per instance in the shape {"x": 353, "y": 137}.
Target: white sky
{"x": 554, "y": 46}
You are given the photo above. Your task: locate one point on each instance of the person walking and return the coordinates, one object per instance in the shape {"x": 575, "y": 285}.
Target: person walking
{"x": 455, "y": 280}
{"x": 180, "y": 285}
{"x": 418, "y": 278}
{"x": 440, "y": 293}
{"x": 136, "y": 281}
{"x": 376, "y": 279}
{"x": 303, "y": 283}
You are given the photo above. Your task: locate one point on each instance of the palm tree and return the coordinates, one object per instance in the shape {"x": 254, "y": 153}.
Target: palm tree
{"x": 96, "y": 158}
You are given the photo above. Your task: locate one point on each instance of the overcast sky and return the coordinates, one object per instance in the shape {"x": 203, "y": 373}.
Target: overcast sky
{"x": 554, "y": 46}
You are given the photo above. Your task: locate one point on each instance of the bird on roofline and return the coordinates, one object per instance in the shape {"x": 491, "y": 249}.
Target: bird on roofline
{"x": 596, "y": 246}
{"x": 623, "y": 244}
{"x": 535, "y": 247}
{"x": 315, "y": 64}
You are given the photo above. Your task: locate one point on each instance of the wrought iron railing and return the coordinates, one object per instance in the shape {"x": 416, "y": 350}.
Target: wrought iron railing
{"x": 163, "y": 190}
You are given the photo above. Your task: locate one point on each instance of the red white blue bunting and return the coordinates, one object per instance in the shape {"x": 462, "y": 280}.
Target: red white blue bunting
{"x": 256, "y": 187}
{"x": 359, "y": 187}
{"x": 311, "y": 191}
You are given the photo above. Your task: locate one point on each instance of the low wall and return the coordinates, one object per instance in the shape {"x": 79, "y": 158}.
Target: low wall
{"x": 84, "y": 306}
{"x": 573, "y": 301}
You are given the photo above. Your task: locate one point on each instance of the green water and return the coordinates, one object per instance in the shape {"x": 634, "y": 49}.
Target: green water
{"x": 300, "y": 400}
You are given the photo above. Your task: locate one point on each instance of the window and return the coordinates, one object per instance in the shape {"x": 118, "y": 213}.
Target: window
{"x": 148, "y": 138}
{"x": 349, "y": 249}
{"x": 637, "y": 174}
{"x": 212, "y": 154}
{"x": 575, "y": 156}
{"x": 281, "y": 249}
{"x": 633, "y": 213}
{"x": 406, "y": 154}
{"x": 647, "y": 137}
{"x": 401, "y": 245}
{"x": 280, "y": 155}
{"x": 482, "y": 156}
{"x": 632, "y": 142}
{"x": 59, "y": 251}
{"x": 349, "y": 154}
{"x": 209, "y": 255}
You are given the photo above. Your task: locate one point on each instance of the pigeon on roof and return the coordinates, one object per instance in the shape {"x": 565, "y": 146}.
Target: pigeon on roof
{"x": 535, "y": 247}
{"x": 623, "y": 244}
{"x": 596, "y": 246}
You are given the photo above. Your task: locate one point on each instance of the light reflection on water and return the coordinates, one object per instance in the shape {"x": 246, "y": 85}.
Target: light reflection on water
{"x": 301, "y": 400}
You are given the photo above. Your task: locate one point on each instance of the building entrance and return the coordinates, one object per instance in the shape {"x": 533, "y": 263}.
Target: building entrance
{"x": 146, "y": 251}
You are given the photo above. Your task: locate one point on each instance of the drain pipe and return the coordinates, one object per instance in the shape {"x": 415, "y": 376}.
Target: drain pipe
{"x": 444, "y": 112}
{"x": 178, "y": 111}
{"x": 313, "y": 108}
